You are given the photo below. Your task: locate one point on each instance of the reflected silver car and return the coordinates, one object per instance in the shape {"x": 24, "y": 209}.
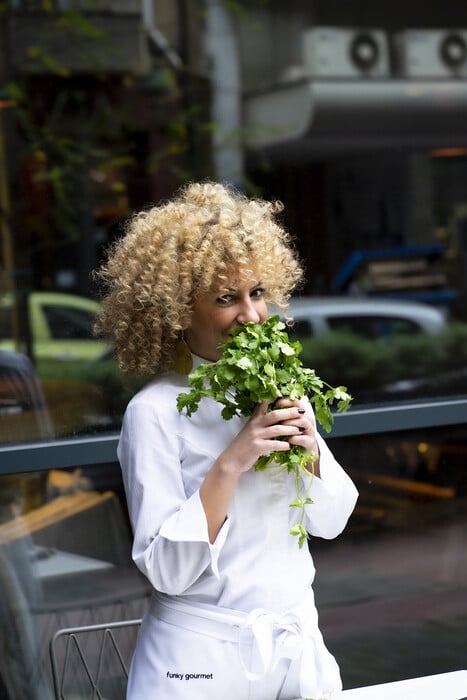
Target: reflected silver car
{"x": 371, "y": 318}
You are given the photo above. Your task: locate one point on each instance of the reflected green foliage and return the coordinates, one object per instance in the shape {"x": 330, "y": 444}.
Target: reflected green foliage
{"x": 364, "y": 365}
{"x": 117, "y": 388}
{"x": 405, "y": 367}
{"x": 98, "y": 387}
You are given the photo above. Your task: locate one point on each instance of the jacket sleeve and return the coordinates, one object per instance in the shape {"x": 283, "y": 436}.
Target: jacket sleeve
{"x": 171, "y": 545}
{"x": 333, "y": 494}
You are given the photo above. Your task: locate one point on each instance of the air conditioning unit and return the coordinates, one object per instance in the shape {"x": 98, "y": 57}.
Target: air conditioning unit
{"x": 334, "y": 52}
{"x": 438, "y": 53}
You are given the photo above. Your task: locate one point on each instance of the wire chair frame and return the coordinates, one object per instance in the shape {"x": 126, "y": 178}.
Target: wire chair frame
{"x": 72, "y": 637}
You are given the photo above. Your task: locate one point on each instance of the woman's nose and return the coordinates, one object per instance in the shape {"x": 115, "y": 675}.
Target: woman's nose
{"x": 248, "y": 312}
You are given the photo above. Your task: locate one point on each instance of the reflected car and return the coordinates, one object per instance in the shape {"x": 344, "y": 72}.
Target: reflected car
{"x": 60, "y": 324}
{"x": 23, "y": 408}
{"x": 66, "y": 358}
{"x": 370, "y": 318}
{"x": 382, "y": 350}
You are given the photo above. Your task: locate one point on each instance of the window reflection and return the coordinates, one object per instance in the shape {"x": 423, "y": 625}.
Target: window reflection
{"x": 65, "y": 561}
{"x": 392, "y": 589}
{"x": 71, "y": 385}
{"x": 390, "y": 366}
{"x": 24, "y": 412}
{"x": 381, "y": 351}
{"x": 80, "y": 150}
{"x": 65, "y": 551}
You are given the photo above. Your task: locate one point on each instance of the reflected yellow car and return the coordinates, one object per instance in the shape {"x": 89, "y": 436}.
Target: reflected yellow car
{"x": 60, "y": 327}
{"x": 66, "y": 358}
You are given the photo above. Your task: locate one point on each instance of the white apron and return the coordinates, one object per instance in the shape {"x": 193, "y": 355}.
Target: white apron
{"x": 199, "y": 652}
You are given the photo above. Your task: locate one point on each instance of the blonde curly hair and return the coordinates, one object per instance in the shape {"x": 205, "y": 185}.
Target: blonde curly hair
{"x": 173, "y": 254}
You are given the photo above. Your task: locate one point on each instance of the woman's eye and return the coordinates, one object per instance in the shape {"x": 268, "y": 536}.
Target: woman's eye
{"x": 224, "y": 300}
{"x": 258, "y": 292}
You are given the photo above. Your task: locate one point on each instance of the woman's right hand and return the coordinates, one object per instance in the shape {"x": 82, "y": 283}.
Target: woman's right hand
{"x": 258, "y": 437}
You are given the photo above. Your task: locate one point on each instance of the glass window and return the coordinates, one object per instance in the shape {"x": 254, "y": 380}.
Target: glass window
{"x": 391, "y": 590}
{"x": 6, "y": 330}
{"x": 68, "y": 323}
{"x": 373, "y": 326}
{"x": 399, "y": 565}
{"x": 300, "y": 329}
{"x": 56, "y": 573}
{"x": 370, "y": 162}
{"x": 24, "y": 412}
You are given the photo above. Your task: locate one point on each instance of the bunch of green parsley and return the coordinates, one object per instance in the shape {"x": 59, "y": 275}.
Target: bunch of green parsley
{"x": 260, "y": 363}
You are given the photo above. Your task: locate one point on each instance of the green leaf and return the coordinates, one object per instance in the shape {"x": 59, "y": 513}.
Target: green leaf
{"x": 298, "y": 503}
{"x": 244, "y": 363}
{"x": 295, "y": 530}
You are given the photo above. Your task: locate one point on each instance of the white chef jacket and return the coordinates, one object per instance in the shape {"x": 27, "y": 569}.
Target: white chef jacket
{"x": 254, "y": 561}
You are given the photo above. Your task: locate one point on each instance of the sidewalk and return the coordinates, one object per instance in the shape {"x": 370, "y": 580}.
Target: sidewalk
{"x": 449, "y": 686}
{"x": 394, "y": 606}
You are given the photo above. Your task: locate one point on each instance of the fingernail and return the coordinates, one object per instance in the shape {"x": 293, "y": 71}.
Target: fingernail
{"x": 301, "y": 410}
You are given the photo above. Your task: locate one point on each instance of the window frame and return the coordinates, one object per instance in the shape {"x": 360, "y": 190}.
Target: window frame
{"x": 42, "y": 455}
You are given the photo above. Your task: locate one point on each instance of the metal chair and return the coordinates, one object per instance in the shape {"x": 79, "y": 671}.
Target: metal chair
{"x": 91, "y": 662}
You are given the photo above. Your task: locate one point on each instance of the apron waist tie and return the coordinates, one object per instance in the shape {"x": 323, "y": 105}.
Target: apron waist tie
{"x": 293, "y": 635}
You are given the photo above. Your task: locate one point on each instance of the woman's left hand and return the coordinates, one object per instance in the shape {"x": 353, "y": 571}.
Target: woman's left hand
{"x": 306, "y": 423}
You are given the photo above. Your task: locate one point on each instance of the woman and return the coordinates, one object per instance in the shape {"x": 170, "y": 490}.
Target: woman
{"x": 232, "y": 614}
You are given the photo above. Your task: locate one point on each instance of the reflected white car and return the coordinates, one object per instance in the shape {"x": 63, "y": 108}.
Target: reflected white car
{"x": 371, "y": 318}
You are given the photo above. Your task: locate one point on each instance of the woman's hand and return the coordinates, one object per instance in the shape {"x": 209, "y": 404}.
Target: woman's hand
{"x": 306, "y": 423}
{"x": 287, "y": 419}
